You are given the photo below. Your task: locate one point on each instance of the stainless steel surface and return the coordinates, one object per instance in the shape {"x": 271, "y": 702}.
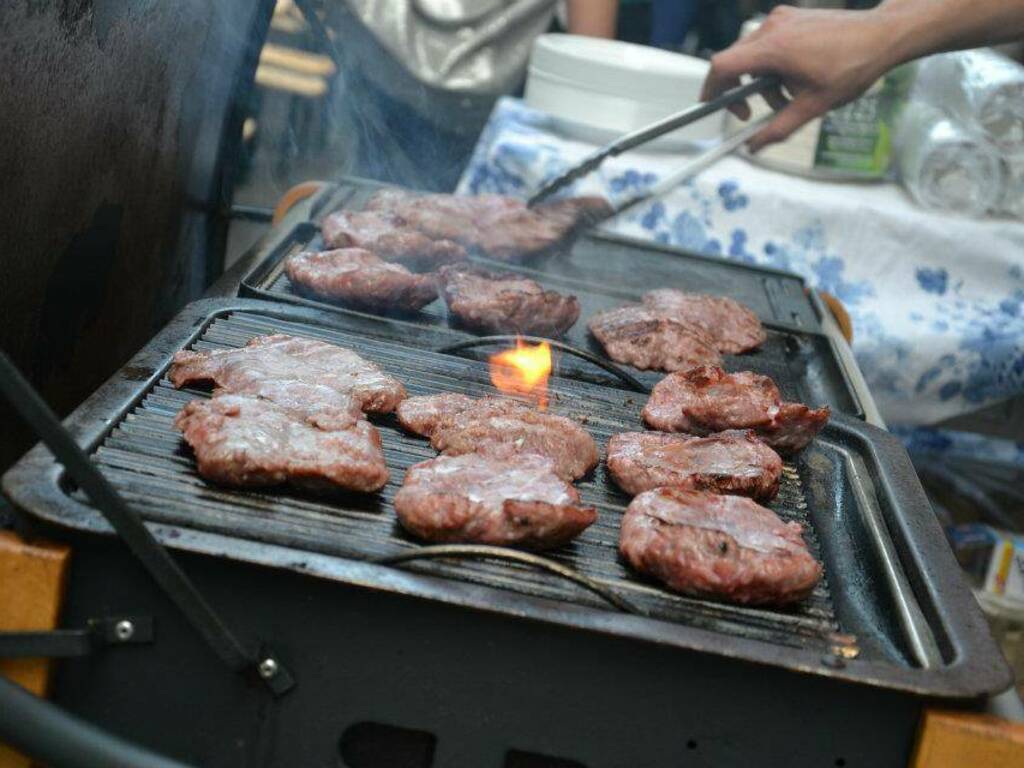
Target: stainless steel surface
{"x": 914, "y": 624}
{"x": 651, "y": 132}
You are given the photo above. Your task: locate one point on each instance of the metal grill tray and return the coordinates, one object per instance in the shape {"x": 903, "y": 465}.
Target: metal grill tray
{"x": 854, "y": 490}
{"x": 797, "y": 355}
{"x": 614, "y": 260}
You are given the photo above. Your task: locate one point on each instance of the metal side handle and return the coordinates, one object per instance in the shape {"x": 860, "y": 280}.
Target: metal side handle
{"x": 133, "y": 531}
{"x": 484, "y": 551}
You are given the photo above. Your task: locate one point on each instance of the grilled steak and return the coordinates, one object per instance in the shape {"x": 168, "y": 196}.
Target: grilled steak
{"x": 359, "y": 279}
{"x": 502, "y": 228}
{"x": 730, "y": 326}
{"x": 574, "y": 213}
{"x": 506, "y": 303}
{"x": 316, "y": 404}
{"x": 243, "y": 440}
{"x": 793, "y": 427}
{"x": 422, "y": 414}
{"x": 499, "y": 426}
{"x": 724, "y": 547}
{"x": 475, "y": 498}
{"x": 728, "y": 462}
{"x": 390, "y": 238}
{"x": 497, "y": 430}
{"x": 282, "y": 358}
{"x": 639, "y": 337}
{"x": 442, "y": 216}
{"x": 707, "y": 399}
{"x": 523, "y": 233}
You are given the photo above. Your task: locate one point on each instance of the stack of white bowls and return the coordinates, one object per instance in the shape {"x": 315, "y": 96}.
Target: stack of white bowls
{"x": 600, "y": 89}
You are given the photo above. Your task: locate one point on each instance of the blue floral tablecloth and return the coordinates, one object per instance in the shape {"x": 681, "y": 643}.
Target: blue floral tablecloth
{"x": 937, "y": 301}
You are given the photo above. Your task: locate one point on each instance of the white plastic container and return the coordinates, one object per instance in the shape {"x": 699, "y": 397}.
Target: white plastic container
{"x": 600, "y": 89}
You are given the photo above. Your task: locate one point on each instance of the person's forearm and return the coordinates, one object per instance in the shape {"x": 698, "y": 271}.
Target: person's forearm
{"x": 826, "y": 58}
{"x": 921, "y": 27}
{"x": 594, "y": 18}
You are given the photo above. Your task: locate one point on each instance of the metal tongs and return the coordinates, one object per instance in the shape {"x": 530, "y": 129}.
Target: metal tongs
{"x": 660, "y": 128}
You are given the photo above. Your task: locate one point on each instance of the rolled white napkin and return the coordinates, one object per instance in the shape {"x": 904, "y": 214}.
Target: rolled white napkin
{"x": 944, "y": 166}
{"x": 981, "y": 88}
{"x": 1013, "y": 189}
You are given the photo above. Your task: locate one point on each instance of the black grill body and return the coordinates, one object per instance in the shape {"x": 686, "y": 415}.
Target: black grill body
{"x": 472, "y": 659}
{"x": 465, "y": 687}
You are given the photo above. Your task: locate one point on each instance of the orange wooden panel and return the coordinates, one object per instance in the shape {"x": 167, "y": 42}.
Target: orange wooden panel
{"x": 32, "y": 576}
{"x": 968, "y": 740}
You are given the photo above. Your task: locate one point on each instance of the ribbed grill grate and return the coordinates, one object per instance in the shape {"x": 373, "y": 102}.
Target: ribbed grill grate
{"x": 802, "y": 364}
{"x": 148, "y": 462}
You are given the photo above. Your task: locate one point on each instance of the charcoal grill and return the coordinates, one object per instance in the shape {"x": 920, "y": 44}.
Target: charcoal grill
{"x": 484, "y": 661}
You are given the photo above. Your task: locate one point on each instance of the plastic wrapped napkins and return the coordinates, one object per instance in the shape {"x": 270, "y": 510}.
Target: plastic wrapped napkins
{"x": 982, "y": 92}
{"x": 981, "y": 89}
{"x": 944, "y": 166}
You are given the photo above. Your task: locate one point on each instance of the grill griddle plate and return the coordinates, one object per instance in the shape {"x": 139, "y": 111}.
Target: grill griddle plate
{"x": 605, "y": 271}
{"x": 876, "y": 617}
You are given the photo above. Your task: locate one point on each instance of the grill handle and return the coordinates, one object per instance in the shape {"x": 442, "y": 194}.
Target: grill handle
{"x": 125, "y": 521}
{"x": 512, "y": 555}
{"x": 481, "y": 341}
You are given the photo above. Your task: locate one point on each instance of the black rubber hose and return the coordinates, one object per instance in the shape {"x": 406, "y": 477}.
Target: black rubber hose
{"x": 53, "y": 737}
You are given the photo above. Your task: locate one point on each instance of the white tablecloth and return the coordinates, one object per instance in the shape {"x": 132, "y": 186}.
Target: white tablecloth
{"x": 937, "y": 301}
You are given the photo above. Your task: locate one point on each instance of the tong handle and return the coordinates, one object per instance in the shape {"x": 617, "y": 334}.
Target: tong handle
{"x": 653, "y": 131}
{"x": 690, "y": 115}
{"x": 696, "y": 165}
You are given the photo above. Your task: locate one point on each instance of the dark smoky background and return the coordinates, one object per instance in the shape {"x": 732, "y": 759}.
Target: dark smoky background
{"x": 118, "y": 125}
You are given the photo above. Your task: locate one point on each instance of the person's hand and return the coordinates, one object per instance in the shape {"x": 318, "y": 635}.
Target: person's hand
{"x": 824, "y": 59}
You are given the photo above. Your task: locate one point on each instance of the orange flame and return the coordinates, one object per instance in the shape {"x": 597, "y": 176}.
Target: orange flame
{"x": 523, "y": 371}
